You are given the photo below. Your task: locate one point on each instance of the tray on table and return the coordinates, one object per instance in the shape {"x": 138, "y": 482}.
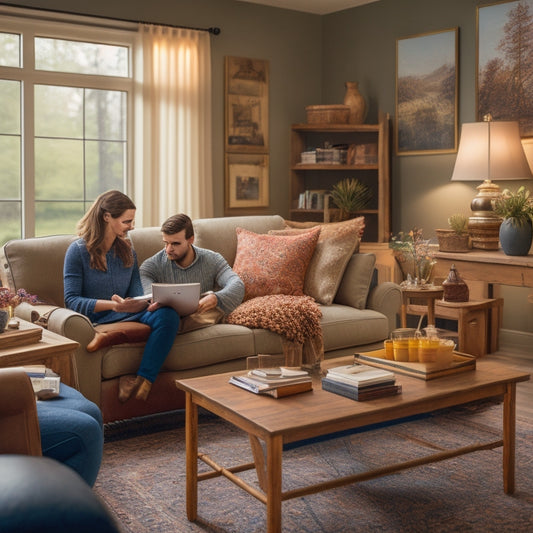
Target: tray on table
{"x": 461, "y": 362}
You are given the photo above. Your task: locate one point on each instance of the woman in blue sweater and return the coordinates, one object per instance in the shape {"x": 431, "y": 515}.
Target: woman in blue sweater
{"x": 101, "y": 277}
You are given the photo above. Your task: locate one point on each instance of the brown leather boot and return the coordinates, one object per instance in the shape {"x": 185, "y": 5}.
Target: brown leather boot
{"x": 143, "y": 390}
{"x": 127, "y": 385}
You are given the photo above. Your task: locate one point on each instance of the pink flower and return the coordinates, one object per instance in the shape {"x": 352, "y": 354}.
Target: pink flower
{"x": 9, "y": 298}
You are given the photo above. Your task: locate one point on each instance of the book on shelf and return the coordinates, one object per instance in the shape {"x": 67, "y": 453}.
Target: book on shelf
{"x": 371, "y": 392}
{"x": 360, "y": 375}
{"x": 276, "y": 388}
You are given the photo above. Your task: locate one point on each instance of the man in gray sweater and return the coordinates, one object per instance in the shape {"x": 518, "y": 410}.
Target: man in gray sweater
{"x": 181, "y": 262}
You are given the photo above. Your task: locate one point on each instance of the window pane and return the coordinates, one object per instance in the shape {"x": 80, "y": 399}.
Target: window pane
{"x": 58, "y": 111}
{"x": 104, "y": 167}
{"x": 57, "y": 217}
{"x": 81, "y": 57}
{"x": 10, "y": 107}
{"x": 10, "y": 221}
{"x": 58, "y": 169}
{"x": 9, "y": 50}
{"x": 105, "y": 115}
{"x": 10, "y": 167}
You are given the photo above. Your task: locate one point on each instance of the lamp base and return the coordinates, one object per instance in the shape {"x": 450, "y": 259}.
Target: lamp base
{"x": 485, "y": 232}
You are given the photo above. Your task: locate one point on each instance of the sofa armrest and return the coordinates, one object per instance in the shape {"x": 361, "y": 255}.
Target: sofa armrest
{"x": 19, "y": 425}
{"x": 386, "y": 298}
{"x": 76, "y": 327}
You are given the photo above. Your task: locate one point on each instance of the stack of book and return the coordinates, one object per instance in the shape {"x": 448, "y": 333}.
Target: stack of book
{"x": 360, "y": 382}
{"x": 276, "y": 382}
{"x": 45, "y": 382}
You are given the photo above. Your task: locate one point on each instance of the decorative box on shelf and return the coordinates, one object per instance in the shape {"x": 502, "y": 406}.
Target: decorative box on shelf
{"x": 328, "y": 114}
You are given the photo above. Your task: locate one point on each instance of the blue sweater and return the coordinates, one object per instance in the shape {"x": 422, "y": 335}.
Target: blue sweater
{"x": 84, "y": 285}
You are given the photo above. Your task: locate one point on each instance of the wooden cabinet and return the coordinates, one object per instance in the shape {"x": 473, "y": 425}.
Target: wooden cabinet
{"x": 372, "y": 169}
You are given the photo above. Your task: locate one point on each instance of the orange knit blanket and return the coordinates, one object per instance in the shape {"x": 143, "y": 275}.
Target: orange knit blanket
{"x": 295, "y": 318}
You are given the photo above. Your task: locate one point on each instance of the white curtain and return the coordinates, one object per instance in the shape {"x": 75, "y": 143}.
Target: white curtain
{"x": 172, "y": 155}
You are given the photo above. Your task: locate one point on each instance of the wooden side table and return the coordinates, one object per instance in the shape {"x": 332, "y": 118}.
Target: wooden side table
{"x": 52, "y": 350}
{"x": 478, "y": 322}
{"x": 430, "y": 295}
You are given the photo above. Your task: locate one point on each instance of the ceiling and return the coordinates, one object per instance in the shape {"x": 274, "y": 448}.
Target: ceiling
{"x": 317, "y": 7}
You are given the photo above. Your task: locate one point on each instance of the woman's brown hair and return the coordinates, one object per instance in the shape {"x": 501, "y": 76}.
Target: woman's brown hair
{"x": 92, "y": 228}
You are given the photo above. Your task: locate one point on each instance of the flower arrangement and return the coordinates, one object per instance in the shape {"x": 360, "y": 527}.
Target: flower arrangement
{"x": 8, "y": 298}
{"x": 414, "y": 255}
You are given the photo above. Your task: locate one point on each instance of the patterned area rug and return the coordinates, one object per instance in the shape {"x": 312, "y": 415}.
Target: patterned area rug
{"x": 142, "y": 479}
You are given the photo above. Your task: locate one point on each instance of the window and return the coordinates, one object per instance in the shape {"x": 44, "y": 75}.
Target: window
{"x": 65, "y": 122}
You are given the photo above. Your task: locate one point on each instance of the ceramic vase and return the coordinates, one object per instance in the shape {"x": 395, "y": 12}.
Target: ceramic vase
{"x": 355, "y": 101}
{"x": 515, "y": 239}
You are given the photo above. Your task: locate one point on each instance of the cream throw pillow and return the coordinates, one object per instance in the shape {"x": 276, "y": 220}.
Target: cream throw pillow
{"x": 337, "y": 242}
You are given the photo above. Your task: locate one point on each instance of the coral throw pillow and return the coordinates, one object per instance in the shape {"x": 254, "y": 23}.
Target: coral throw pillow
{"x": 271, "y": 264}
{"x": 336, "y": 244}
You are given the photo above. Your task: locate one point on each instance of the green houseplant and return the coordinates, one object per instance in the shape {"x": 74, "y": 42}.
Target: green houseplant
{"x": 456, "y": 237}
{"x": 516, "y": 230}
{"x": 350, "y": 196}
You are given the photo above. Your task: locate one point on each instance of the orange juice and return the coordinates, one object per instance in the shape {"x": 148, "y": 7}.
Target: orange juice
{"x": 428, "y": 349}
{"x": 389, "y": 350}
{"x": 413, "y": 349}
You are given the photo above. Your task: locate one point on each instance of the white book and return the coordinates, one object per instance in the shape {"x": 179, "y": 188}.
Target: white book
{"x": 360, "y": 375}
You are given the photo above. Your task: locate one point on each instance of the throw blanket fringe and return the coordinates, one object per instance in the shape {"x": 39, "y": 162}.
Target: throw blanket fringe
{"x": 295, "y": 318}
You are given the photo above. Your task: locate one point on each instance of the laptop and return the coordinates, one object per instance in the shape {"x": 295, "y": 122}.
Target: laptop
{"x": 182, "y": 297}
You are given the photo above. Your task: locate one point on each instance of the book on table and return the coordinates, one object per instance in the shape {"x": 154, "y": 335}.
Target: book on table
{"x": 274, "y": 383}
{"x": 358, "y": 375}
{"x": 360, "y": 394}
{"x": 45, "y": 382}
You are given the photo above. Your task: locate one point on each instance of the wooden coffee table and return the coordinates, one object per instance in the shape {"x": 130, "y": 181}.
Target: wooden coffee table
{"x": 316, "y": 413}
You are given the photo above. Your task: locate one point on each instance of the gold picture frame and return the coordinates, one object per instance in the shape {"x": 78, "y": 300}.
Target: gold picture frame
{"x": 246, "y": 101}
{"x": 427, "y": 93}
{"x": 247, "y": 181}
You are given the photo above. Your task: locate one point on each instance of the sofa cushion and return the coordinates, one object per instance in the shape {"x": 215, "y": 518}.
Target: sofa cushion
{"x": 270, "y": 264}
{"x": 356, "y": 281}
{"x": 336, "y": 244}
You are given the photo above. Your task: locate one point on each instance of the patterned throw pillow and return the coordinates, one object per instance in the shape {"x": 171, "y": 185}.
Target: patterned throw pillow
{"x": 336, "y": 244}
{"x": 270, "y": 264}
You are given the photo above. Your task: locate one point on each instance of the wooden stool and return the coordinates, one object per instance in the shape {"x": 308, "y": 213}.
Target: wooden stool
{"x": 430, "y": 295}
{"x": 478, "y": 322}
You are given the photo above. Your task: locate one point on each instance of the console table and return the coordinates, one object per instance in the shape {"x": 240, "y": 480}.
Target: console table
{"x": 490, "y": 267}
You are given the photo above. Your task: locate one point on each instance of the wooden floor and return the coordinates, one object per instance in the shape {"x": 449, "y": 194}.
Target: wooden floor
{"x": 524, "y": 362}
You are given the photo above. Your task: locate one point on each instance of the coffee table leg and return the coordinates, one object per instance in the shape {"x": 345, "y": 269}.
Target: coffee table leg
{"x": 274, "y": 446}
{"x": 191, "y": 457}
{"x": 509, "y": 433}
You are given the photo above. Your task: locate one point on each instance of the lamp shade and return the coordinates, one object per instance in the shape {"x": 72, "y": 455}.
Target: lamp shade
{"x": 490, "y": 151}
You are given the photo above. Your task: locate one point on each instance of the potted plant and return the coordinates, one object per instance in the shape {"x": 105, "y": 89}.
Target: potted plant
{"x": 456, "y": 238}
{"x": 516, "y": 231}
{"x": 350, "y": 196}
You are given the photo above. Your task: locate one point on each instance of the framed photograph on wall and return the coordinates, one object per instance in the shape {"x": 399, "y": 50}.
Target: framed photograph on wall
{"x": 246, "y": 122}
{"x": 426, "y": 93}
{"x": 247, "y": 181}
{"x": 504, "y": 81}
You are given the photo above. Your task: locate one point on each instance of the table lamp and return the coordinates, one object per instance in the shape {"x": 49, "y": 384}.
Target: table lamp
{"x": 489, "y": 150}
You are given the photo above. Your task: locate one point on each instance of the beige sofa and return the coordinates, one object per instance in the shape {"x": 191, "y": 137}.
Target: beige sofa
{"x": 360, "y": 318}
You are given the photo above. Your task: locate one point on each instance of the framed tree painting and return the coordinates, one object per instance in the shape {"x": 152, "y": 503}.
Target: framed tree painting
{"x": 247, "y": 181}
{"x": 246, "y": 105}
{"x": 426, "y": 93}
{"x": 504, "y": 79}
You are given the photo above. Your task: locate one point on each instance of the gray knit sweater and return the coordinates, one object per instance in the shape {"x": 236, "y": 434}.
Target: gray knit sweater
{"x": 209, "y": 269}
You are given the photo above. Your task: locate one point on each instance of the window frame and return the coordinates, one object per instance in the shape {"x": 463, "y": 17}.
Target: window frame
{"x": 71, "y": 27}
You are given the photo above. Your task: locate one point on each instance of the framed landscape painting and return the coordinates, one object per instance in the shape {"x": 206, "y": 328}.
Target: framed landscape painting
{"x": 504, "y": 66}
{"x": 247, "y": 181}
{"x": 426, "y": 93}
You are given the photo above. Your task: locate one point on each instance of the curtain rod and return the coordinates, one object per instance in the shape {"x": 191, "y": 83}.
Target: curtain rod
{"x": 214, "y": 30}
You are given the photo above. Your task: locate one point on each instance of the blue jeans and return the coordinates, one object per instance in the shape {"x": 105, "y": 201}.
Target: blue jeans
{"x": 165, "y": 323}
{"x": 72, "y": 432}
